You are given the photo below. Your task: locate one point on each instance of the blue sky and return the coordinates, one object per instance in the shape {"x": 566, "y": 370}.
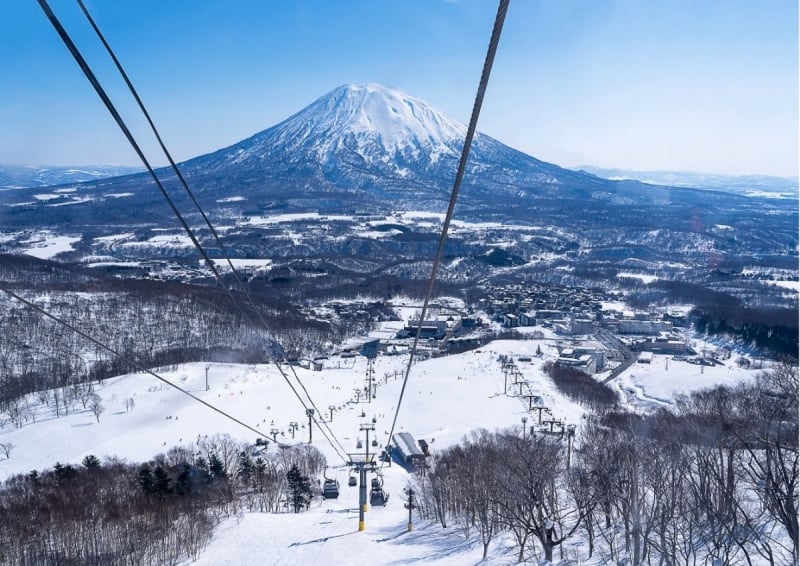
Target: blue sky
{"x": 640, "y": 84}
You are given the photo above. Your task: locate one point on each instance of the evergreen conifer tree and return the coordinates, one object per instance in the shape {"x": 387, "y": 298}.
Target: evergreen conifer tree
{"x": 216, "y": 468}
{"x": 299, "y": 489}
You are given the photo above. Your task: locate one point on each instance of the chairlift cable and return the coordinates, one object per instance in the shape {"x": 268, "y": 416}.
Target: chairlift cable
{"x": 473, "y": 122}
{"x": 320, "y": 413}
{"x": 194, "y": 200}
{"x": 123, "y": 357}
{"x": 87, "y": 71}
{"x": 143, "y": 369}
{"x": 168, "y": 155}
{"x": 173, "y": 165}
{"x": 121, "y": 123}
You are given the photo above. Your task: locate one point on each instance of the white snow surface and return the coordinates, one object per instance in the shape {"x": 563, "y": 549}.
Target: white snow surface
{"x": 48, "y": 245}
{"x": 791, "y": 285}
{"x": 242, "y": 263}
{"x": 654, "y": 384}
{"x": 445, "y": 398}
{"x": 360, "y": 114}
{"x": 163, "y": 240}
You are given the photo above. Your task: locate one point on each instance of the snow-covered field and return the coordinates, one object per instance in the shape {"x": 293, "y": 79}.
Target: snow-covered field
{"x": 46, "y": 245}
{"x": 445, "y": 399}
{"x": 652, "y": 384}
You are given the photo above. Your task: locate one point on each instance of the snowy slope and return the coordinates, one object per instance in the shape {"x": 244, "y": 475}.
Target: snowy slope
{"x": 445, "y": 399}
{"x": 376, "y": 122}
{"x": 371, "y": 136}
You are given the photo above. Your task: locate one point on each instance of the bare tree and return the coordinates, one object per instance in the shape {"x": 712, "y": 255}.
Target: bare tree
{"x": 96, "y": 406}
{"x": 532, "y": 495}
{"x": 770, "y": 459}
{"x": 484, "y": 491}
{"x": 44, "y": 396}
{"x": 83, "y": 392}
{"x": 14, "y": 410}
{"x": 6, "y": 448}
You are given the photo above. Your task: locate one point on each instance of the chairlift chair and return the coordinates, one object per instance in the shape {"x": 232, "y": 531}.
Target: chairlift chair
{"x": 330, "y": 489}
{"x": 376, "y": 495}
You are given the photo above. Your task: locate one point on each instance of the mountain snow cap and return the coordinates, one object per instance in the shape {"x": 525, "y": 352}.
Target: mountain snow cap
{"x": 376, "y": 122}
{"x": 395, "y": 115}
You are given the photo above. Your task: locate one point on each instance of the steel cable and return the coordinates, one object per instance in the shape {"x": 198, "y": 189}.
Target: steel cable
{"x": 462, "y": 164}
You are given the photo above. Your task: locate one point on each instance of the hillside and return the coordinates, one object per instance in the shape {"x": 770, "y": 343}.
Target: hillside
{"x": 445, "y": 399}
{"x": 349, "y": 193}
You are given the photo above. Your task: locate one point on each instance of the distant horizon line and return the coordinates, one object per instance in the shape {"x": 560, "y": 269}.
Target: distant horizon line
{"x": 581, "y": 167}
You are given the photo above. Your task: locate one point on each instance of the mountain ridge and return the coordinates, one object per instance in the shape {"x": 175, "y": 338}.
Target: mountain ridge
{"x": 368, "y": 147}
{"x": 785, "y": 187}
{"x": 358, "y": 130}
{"x": 22, "y": 176}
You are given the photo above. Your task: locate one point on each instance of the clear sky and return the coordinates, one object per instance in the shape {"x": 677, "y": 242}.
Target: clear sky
{"x": 696, "y": 85}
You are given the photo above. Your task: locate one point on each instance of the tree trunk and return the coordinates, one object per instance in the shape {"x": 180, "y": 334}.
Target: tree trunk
{"x": 521, "y": 556}
{"x": 548, "y": 552}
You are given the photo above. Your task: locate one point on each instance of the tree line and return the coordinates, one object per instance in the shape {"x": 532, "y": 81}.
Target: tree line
{"x": 152, "y": 325}
{"x": 713, "y": 481}
{"x": 770, "y": 330}
{"x": 581, "y": 387}
{"x": 159, "y": 512}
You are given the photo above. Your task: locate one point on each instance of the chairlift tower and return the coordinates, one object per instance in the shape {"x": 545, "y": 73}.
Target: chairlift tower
{"x": 310, "y": 415}
{"x": 410, "y": 505}
{"x": 363, "y": 463}
{"x": 370, "y": 378}
{"x": 366, "y": 427}
{"x": 570, "y": 437}
{"x": 530, "y": 397}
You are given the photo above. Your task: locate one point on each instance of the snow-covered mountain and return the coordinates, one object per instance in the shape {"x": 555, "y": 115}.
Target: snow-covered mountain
{"x": 372, "y": 148}
{"x": 380, "y": 139}
{"x": 22, "y": 176}
{"x": 373, "y": 122}
{"x": 751, "y": 185}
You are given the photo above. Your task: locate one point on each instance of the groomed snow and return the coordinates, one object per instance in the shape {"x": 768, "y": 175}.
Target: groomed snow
{"x": 445, "y": 398}
{"x": 648, "y": 385}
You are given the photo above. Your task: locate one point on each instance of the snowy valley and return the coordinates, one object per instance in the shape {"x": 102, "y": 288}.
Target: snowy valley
{"x": 606, "y": 374}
